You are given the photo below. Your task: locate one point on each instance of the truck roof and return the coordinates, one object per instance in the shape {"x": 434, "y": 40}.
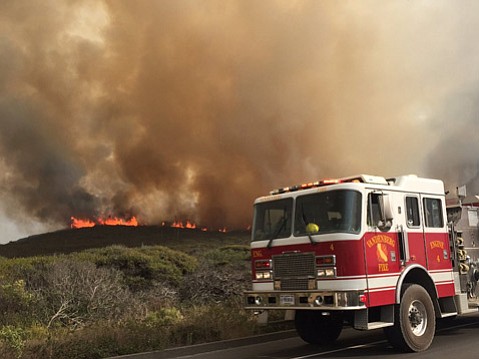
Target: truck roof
{"x": 413, "y": 183}
{"x": 408, "y": 183}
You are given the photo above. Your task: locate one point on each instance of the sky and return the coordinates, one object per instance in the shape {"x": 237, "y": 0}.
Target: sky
{"x": 184, "y": 109}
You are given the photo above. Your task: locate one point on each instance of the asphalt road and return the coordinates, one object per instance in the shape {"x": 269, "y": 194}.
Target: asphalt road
{"x": 454, "y": 339}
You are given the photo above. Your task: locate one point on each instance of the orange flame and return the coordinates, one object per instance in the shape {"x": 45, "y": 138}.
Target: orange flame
{"x": 110, "y": 221}
{"x": 188, "y": 224}
{"x": 179, "y": 224}
{"x": 81, "y": 223}
{"x": 114, "y": 221}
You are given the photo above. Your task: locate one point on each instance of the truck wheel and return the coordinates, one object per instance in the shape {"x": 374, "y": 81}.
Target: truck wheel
{"x": 414, "y": 320}
{"x": 316, "y": 328}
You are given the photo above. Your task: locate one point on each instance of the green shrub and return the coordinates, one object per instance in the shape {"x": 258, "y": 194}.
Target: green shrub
{"x": 233, "y": 255}
{"x": 12, "y": 269}
{"x": 77, "y": 293}
{"x": 124, "y": 300}
{"x": 15, "y": 295}
{"x": 16, "y": 303}
{"x": 163, "y": 317}
{"x": 13, "y": 339}
{"x": 206, "y": 323}
{"x": 223, "y": 275}
{"x": 214, "y": 285}
{"x": 144, "y": 265}
{"x": 159, "y": 295}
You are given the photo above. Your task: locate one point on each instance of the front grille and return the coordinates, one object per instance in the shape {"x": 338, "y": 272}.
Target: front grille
{"x": 294, "y": 283}
{"x": 294, "y": 269}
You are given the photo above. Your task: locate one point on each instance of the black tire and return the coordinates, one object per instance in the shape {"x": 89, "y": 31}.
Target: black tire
{"x": 414, "y": 320}
{"x": 316, "y": 328}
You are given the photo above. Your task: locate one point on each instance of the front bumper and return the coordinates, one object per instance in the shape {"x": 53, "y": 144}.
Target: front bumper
{"x": 310, "y": 299}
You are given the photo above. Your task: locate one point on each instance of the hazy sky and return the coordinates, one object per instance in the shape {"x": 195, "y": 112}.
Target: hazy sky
{"x": 190, "y": 109}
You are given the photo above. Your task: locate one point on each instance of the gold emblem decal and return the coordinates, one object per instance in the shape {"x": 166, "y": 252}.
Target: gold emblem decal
{"x": 380, "y": 238}
{"x": 257, "y": 254}
{"x": 437, "y": 244}
{"x": 381, "y": 243}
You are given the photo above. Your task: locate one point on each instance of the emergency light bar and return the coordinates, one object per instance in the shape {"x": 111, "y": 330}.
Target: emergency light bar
{"x": 327, "y": 182}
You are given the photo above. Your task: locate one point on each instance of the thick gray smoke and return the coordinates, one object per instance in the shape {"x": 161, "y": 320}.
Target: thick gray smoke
{"x": 190, "y": 109}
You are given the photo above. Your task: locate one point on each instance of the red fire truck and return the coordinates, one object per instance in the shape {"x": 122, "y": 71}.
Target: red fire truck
{"x": 365, "y": 251}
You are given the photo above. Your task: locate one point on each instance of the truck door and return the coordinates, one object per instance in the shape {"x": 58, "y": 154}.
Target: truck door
{"x": 381, "y": 246}
{"x": 412, "y": 232}
{"x": 436, "y": 239}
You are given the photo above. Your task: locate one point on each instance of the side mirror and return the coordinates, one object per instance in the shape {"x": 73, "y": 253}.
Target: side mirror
{"x": 386, "y": 212}
{"x": 388, "y": 208}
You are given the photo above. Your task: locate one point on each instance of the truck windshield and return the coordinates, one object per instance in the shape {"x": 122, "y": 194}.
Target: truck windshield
{"x": 328, "y": 212}
{"x": 273, "y": 220}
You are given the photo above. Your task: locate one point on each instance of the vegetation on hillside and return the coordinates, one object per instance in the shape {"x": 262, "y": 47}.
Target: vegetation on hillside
{"x": 118, "y": 300}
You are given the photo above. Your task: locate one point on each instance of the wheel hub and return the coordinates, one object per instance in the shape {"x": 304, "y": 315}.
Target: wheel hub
{"x": 417, "y": 316}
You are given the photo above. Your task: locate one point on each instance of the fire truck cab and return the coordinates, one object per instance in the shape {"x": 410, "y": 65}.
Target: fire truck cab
{"x": 363, "y": 251}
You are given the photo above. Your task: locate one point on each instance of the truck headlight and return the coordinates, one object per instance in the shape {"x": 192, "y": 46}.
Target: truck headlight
{"x": 330, "y": 272}
{"x": 326, "y": 272}
{"x": 263, "y": 275}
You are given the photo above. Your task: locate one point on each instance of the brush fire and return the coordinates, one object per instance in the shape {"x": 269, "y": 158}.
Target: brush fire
{"x": 77, "y": 223}
{"x": 109, "y": 221}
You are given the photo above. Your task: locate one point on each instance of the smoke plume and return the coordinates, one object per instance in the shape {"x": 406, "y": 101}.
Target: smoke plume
{"x": 187, "y": 109}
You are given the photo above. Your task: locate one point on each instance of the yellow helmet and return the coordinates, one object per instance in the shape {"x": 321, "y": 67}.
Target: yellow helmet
{"x": 312, "y": 228}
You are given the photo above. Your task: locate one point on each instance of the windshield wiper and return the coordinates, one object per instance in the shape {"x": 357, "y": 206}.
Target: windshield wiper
{"x": 313, "y": 242}
{"x": 277, "y": 232}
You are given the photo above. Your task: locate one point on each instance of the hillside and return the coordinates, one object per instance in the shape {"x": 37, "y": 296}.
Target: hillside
{"x": 120, "y": 290}
{"x": 73, "y": 240}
